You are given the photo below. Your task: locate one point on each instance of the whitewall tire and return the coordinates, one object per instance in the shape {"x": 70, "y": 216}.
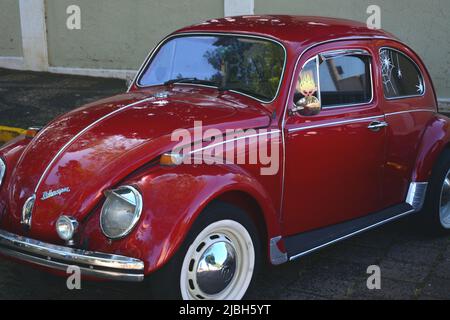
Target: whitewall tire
{"x": 219, "y": 263}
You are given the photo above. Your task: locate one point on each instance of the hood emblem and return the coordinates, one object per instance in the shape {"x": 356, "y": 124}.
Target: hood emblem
{"x": 50, "y": 193}
{"x": 161, "y": 95}
{"x": 27, "y": 212}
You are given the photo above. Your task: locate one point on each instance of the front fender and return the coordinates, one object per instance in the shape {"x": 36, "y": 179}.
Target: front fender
{"x": 10, "y": 153}
{"x": 173, "y": 198}
{"x": 434, "y": 140}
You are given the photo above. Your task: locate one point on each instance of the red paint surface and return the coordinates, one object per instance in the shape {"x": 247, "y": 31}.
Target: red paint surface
{"x": 332, "y": 174}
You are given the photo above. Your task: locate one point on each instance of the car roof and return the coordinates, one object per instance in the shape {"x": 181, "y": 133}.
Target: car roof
{"x": 293, "y": 31}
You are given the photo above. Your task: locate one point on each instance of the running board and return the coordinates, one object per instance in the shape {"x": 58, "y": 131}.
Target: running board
{"x": 307, "y": 242}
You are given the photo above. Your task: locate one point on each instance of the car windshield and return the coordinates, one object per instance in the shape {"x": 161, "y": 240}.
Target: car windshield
{"x": 251, "y": 66}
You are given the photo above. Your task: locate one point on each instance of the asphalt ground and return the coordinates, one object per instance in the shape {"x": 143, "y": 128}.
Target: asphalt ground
{"x": 413, "y": 263}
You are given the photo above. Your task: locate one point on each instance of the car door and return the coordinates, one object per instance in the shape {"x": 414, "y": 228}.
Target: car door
{"x": 333, "y": 159}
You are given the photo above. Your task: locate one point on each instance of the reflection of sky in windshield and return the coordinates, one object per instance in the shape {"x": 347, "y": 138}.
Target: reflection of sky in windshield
{"x": 247, "y": 65}
{"x": 181, "y": 57}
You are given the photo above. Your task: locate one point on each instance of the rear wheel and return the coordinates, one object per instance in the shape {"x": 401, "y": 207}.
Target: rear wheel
{"x": 437, "y": 205}
{"x": 217, "y": 260}
{"x": 444, "y": 202}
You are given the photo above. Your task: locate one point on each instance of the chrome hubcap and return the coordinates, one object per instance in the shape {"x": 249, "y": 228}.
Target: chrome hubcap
{"x": 444, "y": 205}
{"x": 216, "y": 267}
{"x": 219, "y": 263}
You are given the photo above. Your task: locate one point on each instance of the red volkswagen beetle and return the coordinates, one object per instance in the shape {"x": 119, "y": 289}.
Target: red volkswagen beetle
{"x": 327, "y": 129}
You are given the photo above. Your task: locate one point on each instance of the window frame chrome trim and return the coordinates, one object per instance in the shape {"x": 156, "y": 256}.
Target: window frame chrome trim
{"x": 417, "y": 67}
{"x": 344, "y": 53}
{"x": 152, "y": 53}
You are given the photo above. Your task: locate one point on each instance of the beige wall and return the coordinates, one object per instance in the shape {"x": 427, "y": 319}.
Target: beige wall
{"x": 118, "y": 34}
{"x": 10, "y": 39}
{"x": 424, "y": 25}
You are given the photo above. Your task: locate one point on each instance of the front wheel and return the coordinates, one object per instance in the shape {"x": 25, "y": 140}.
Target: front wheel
{"x": 217, "y": 260}
{"x": 219, "y": 263}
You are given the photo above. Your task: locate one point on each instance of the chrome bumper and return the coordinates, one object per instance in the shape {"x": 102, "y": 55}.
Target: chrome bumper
{"x": 95, "y": 264}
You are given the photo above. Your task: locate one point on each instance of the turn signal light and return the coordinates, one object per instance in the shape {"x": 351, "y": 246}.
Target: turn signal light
{"x": 171, "y": 159}
{"x": 32, "y": 132}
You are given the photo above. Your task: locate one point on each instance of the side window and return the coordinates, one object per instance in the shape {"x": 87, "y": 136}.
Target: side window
{"x": 345, "y": 80}
{"x": 334, "y": 79}
{"x": 401, "y": 76}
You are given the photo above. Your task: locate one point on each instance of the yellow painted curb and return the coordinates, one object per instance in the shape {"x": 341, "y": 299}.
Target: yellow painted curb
{"x": 8, "y": 133}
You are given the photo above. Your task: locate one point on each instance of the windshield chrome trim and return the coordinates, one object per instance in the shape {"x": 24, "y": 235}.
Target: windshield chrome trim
{"x": 149, "y": 58}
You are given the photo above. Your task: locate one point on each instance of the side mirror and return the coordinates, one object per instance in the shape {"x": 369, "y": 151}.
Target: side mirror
{"x": 307, "y": 106}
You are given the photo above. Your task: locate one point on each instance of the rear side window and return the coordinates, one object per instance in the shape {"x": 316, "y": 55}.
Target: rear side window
{"x": 345, "y": 80}
{"x": 401, "y": 76}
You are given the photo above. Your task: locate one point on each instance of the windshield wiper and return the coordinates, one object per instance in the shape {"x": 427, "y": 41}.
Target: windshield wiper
{"x": 197, "y": 81}
{"x": 180, "y": 80}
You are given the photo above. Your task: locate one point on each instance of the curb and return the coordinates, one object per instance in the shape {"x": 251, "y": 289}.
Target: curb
{"x": 8, "y": 133}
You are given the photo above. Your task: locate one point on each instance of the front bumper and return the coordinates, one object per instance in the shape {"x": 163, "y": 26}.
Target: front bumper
{"x": 93, "y": 264}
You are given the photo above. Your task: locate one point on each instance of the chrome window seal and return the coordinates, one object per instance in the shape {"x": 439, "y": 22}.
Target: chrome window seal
{"x": 418, "y": 70}
{"x": 152, "y": 53}
{"x": 96, "y": 264}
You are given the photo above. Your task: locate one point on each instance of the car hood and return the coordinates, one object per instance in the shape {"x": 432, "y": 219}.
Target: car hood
{"x": 79, "y": 155}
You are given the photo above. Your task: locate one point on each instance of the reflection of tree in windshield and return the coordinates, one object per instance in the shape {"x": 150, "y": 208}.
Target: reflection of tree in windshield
{"x": 250, "y": 66}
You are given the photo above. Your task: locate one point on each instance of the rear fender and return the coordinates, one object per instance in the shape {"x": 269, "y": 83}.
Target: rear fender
{"x": 435, "y": 139}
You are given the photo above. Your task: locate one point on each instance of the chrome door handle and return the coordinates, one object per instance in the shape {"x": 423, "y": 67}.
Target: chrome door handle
{"x": 377, "y": 125}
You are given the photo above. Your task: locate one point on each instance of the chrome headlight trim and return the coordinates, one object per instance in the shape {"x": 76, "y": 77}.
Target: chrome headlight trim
{"x": 136, "y": 202}
{"x": 2, "y": 171}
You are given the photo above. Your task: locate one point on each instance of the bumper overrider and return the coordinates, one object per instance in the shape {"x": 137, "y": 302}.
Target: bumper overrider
{"x": 93, "y": 264}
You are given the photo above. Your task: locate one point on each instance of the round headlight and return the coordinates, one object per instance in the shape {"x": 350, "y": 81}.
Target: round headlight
{"x": 66, "y": 227}
{"x": 120, "y": 212}
{"x": 2, "y": 170}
